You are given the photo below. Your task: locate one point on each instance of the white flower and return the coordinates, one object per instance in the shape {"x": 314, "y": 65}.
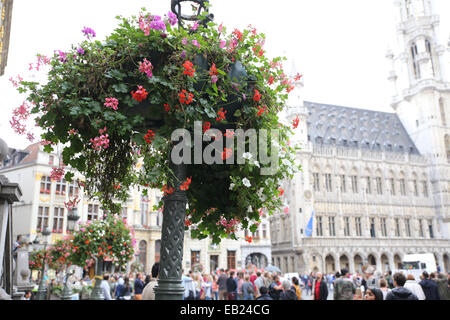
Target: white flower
{"x": 246, "y": 182}
{"x": 250, "y": 209}
{"x": 232, "y": 186}
{"x": 247, "y": 155}
{"x": 286, "y": 162}
{"x": 282, "y": 154}
{"x": 257, "y": 164}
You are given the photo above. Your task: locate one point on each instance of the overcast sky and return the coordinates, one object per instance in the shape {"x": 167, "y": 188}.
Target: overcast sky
{"x": 338, "y": 45}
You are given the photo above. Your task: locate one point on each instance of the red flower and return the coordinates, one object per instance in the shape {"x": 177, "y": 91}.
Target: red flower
{"x": 221, "y": 115}
{"x": 140, "y": 95}
{"x": 167, "y": 190}
{"x": 185, "y": 185}
{"x": 227, "y": 154}
{"x": 271, "y": 79}
{"x": 167, "y": 107}
{"x": 281, "y": 190}
{"x": 298, "y": 77}
{"x": 295, "y": 123}
{"x": 206, "y": 126}
{"x": 187, "y": 223}
{"x": 257, "y": 96}
{"x": 189, "y": 71}
{"x": 213, "y": 70}
{"x": 185, "y": 97}
{"x": 238, "y": 34}
{"x": 87, "y": 242}
{"x": 262, "y": 110}
{"x": 249, "y": 239}
{"x": 149, "y": 136}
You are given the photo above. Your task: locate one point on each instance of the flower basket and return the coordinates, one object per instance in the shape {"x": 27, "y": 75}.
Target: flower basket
{"x": 115, "y": 103}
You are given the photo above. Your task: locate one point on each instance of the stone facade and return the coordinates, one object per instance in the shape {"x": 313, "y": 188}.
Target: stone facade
{"x": 5, "y": 30}
{"x": 378, "y": 183}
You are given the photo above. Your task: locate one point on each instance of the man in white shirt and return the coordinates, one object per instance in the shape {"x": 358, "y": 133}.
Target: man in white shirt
{"x": 414, "y": 287}
{"x": 105, "y": 287}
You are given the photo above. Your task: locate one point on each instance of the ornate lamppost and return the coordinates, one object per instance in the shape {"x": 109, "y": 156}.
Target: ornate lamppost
{"x": 42, "y": 291}
{"x": 169, "y": 282}
{"x": 72, "y": 219}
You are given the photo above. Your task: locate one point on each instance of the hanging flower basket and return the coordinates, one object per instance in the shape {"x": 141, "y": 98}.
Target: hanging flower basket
{"x": 115, "y": 103}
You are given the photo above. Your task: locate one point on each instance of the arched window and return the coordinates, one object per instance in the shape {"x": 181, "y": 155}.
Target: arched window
{"x": 430, "y": 52}
{"x": 414, "y": 55}
{"x": 442, "y": 109}
{"x": 447, "y": 147}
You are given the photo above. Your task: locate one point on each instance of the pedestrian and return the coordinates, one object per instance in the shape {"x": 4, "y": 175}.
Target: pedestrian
{"x": 138, "y": 286}
{"x": 264, "y": 294}
{"x": 288, "y": 291}
{"x": 371, "y": 280}
{"x": 429, "y": 287}
{"x": 267, "y": 279}
{"x": 105, "y": 287}
{"x": 414, "y": 287}
{"x": 373, "y": 294}
{"x": 248, "y": 290}
{"x": 442, "y": 284}
{"x": 400, "y": 292}
{"x": 275, "y": 288}
{"x": 207, "y": 285}
{"x": 149, "y": 292}
{"x": 231, "y": 287}
{"x": 296, "y": 287}
{"x": 240, "y": 281}
{"x": 215, "y": 288}
{"x": 123, "y": 291}
{"x": 259, "y": 282}
{"x": 384, "y": 288}
{"x": 389, "y": 280}
{"x": 344, "y": 289}
{"x": 222, "y": 282}
{"x": 147, "y": 280}
{"x": 27, "y": 295}
{"x": 189, "y": 287}
{"x": 320, "y": 289}
{"x": 198, "y": 285}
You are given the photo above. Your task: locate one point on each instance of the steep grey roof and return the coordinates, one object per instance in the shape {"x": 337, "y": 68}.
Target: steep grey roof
{"x": 357, "y": 128}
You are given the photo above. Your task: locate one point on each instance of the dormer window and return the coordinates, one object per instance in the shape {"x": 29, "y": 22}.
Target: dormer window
{"x": 355, "y": 143}
{"x": 319, "y": 140}
{"x": 332, "y": 141}
{"x": 344, "y": 143}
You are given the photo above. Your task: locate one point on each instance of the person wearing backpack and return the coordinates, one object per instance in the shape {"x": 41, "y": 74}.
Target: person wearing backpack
{"x": 296, "y": 288}
{"x": 288, "y": 291}
{"x": 344, "y": 289}
{"x": 247, "y": 289}
{"x": 275, "y": 288}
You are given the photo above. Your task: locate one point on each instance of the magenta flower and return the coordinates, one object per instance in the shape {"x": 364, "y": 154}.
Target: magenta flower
{"x": 111, "y": 103}
{"x": 157, "y": 24}
{"x": 184, "y": 41}
{"x": 195, "y": 43}
{"x": 183, "y": 54}
{"x": 80, "y": 51}
{"x": 62, "y": 56}
{"x": 195, "y": 26}
{"x": 173, "y": 19}
{"x": 214, "y": 79}
{"x": 146, "y": 67}
{"x": 223, "y": 44}
{"x": 88, "y": 32}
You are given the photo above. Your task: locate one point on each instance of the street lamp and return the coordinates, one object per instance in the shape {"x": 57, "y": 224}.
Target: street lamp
{"x": 180, "y": 10}
{"x": 42, "y": 291}
{"x": 72, "y": 219}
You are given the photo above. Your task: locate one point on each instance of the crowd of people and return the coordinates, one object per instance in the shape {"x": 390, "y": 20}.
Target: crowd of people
{"x": 262, "y": 285}
{"x": 259, "y": 285}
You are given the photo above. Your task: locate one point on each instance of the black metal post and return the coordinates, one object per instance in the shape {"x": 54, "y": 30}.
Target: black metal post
{"x": 169, "y": 282}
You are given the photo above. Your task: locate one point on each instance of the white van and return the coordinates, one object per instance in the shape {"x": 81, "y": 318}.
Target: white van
{"x": 416, "y": 264}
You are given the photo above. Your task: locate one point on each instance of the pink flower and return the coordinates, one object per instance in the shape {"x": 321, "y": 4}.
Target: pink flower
{"x": 223, "y": 44}
{"x": 195, "y": 43}
{"x": 195, "y": 26}
{"x": 184, "y": 41}
{"x": 30, "y": 137}
{"x": 112, "y": 103}
{"x": 146, "y": 67}
{"x": 57, "y": 174}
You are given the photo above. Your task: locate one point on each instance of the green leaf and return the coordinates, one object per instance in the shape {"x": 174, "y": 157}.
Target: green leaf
{"x": 120, "y": 88}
